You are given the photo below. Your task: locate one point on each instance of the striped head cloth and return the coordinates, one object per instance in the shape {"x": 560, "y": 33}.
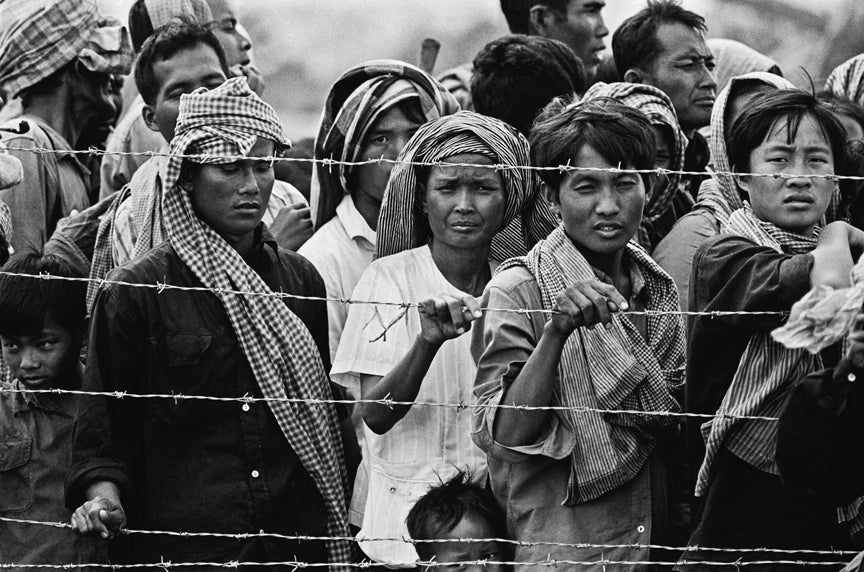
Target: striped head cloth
{"x": 847, "y": 80}
{"x": 221, "y": 123}
{"x": 163, "y": 12}
{"x": 39, "y": 37}
{"x": 357, "y": 99}
{"x": 527, "y": 218}
{"x": 659, "y": 109}
{"x": 5, "y": 221}
{"x": 720, "y": 194}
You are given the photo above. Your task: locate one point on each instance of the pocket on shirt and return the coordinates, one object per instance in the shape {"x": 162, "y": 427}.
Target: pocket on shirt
{"x": 16, "y": 488}
{"x": 182, "y": 367}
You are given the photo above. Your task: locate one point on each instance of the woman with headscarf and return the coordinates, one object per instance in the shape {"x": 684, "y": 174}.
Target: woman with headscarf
{"x": 371, "y": 112}
{"x": 671, "y": 144}
{"x": 718, "y": 196}
{"x": 847, "y": 80}
{"x": 733, "y": 59}
{"x": 218, "y": 466}
{"x": 443, "y": 205}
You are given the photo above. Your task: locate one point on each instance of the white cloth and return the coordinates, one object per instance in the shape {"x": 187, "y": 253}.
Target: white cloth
{"x": 429, "y": 444}
{"x": 341, "y": 251}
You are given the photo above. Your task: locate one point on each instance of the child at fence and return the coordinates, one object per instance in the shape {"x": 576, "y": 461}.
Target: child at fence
{"x": 455, "y": 511}
{"x": 42, "y": 326}
{"x": 769, "y": 254}
{"x": 572, "y": 476}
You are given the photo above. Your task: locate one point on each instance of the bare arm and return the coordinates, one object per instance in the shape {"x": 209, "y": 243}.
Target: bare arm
{"x": 836, "y": 251}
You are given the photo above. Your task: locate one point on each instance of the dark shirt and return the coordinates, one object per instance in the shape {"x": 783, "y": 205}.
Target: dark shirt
{"x": 193, "y": 465}
{"x": 696, "y": 157}
{"x": 744, "y": 507}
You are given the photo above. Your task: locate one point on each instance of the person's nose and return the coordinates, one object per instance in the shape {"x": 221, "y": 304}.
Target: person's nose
{"x": 798, "y": 174}
{"x": 602, "y": 31}
{"x": 707, "y": 79}
{"x": 244, "y": 43}
{"x": 29, "y": 359}
{"x": 249, "y": 183}
{"x": 607, "y": 205}
{"x": 464, "y": 200}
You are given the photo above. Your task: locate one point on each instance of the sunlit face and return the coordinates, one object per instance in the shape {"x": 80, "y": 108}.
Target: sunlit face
{"x": 601, "y": 210}
{"x": 465, "y": 204}
{"x": 582, "y": 28}
{"x": 471, "y": 526}
{"x": 46, "y": 360}
{"x": 684, "y": 71}
{"x": 231, "y": 197}
{"x": 235, "y": 44}
{"x": 794, "y": 204}
{"x": 385, "y": 138}
{"x": 182, "y": 73}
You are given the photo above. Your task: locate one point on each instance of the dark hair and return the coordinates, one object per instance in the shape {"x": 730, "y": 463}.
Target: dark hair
{"x": 26, "y": 304}
{"x": 140, "y": 25}
{"x": 47, "y": 84}
{"x": 163, "y": 44}
{"x": 618, "y": 132}
{"x": 518, "y": 12}
{"x": 443, "y": 507}
{"x": 851, "y": 195}
{"x": 750, "y": 129}
{"x": 515, "y": 76}
{"x": 635, "y": 43}
{"x": 843, "y": 106}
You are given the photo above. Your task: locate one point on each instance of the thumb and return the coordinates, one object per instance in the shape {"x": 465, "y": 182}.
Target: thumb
{"x": 112, "y": 518}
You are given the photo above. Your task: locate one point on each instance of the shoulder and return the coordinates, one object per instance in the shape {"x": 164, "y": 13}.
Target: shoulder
{"x": 152, "y": 266}
{"x": 301, "y": 273}
{"x": 513, "y": 278}
{"x": 328, "y": 242}
{"x": 35, "y": 136}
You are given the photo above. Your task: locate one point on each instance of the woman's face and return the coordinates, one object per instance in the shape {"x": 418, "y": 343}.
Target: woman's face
{"x": 465, "y": 203}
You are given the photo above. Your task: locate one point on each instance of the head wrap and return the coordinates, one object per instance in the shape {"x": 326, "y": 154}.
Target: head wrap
{"x": 38, "y": 38}
{"x": 358, "y": 98}
{"x": 5, "y": 221}
{"x": 659, "y": 109}
{"x": 734, "y": 59}
{"x": 847, "y": 80}
{"x": 223, "y": 123}
{"x": 400, "y": 221}
{"x": 163, "y": 12}
{"x": 720, "y": 193}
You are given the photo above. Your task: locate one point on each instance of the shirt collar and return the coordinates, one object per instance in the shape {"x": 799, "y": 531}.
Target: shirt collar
{"x": 354, "y": 223}
{"x": 24, "y": 401}
{"x": 62, "y": 147}
{"x": 637, "y": 279}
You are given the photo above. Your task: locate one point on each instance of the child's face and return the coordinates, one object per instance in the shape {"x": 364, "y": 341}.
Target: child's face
{"x": 46, "y": 360}
{"x": 471, "y": 526}
{"x": 601, "y": 210}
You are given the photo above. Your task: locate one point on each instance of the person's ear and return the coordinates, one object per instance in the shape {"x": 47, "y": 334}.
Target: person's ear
{"x": 421, "y": 196}
{"x": 552, "y": 197}
{"x": 634, "y": 75}
{"x": 743, "y": 182}
{"x": 148, "y": 114}
{"x": 539, "y": 20}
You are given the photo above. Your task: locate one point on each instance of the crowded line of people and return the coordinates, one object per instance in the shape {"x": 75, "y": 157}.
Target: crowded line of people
{"x": 573, "y": 367}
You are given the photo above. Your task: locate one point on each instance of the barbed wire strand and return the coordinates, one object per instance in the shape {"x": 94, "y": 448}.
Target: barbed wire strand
{"x": 329, "y": 162}
{"x": 248, "y": 399}
{"x": 405, "y": 540}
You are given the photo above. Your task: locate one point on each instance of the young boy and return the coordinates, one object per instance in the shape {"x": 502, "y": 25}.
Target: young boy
{"x": 42, "y": 325}
{"x": 768, "y": 255}
{"x": 458, "y": 510}
{"x": 582, "y": 476}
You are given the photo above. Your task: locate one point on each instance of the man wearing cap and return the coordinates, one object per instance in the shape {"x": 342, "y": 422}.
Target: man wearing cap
{"x": 58, "y": 56}
{"x": 229, "y": 466}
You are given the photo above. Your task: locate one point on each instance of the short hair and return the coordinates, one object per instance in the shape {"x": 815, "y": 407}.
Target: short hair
{"x": 750, "y": 129}
{"x": 47, "y": 84}
{"x": 635, "y": 43}
{"x": 140, "y": 24}
{"x": 843, "y": 106}
{"x": 618, "y": 132}
{"x": 163, "y": 44}
{"x": 26, "y": 304}
{"x": 516, "y": 76}
{"x": 518, "y": 12}
{"x": 444, "y": 506}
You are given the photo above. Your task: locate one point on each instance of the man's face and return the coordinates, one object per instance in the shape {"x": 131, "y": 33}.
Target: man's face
{"x": 231, "y": 197}
{"x": 93, "y": 105}
{"x": 235, "y": 44}
{"x": 582, "y": 28}
{"x": 683, "y": 70}
{"x": 184, "y": 72}
{"x": 45, "y": 360}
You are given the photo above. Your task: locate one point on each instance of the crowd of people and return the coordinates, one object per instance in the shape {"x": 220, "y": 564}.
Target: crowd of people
{"x": 552, "y": 308}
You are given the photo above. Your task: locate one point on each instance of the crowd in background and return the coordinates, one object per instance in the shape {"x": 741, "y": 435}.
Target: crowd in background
{"x": 561, "y": 305}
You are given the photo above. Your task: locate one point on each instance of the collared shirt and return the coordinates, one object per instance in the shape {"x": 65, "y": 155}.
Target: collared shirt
{"x": 54, "y": 185}
{"x": 194, "y": 465}
{"x": 341, "y": 251}
{"x": 35, "y": 449}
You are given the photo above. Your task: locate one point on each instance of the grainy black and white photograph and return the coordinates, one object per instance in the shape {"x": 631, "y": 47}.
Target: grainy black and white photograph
{"x": 465, "y": 285}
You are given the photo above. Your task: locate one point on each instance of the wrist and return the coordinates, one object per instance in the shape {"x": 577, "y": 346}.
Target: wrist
{"x": 553, "y": 335}
{"x": 427, "y": 347}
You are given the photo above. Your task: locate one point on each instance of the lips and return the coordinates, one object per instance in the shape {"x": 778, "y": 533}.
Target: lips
{"x": 608, "y": 229}
{"x": 705, "y": 101}
{"x": 799, "y": 200}
{"x": 464, "y": 226}
{"x": 249, "y": 206}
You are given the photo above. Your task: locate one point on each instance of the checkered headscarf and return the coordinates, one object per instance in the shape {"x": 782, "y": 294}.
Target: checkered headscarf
{"x": 38, "y": 37}
{"x": 847, "y": 80}
{"x": 163, "y": 12}
{"x": 659, "y": 109}
{"x": 527, "y": 217}
{"x": 222, "y": 123}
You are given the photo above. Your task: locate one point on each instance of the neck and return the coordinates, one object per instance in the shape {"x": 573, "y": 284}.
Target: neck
{"x": 54, "y": 109}
{"x": 368, "y": 208}
{"x": 612, "y": 265}
{"x": 688, "y": 132}
{"x": 242, "y": 244}
{"x": 465, "y": 268}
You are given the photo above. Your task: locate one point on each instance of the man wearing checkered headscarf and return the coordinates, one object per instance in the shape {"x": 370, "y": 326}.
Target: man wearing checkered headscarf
{"x": 58, "y": 56}
{"x": 210, "y": 465}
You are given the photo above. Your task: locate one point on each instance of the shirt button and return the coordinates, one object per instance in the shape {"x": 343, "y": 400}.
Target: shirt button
{"x": 245, "y": 407}
{"x": 255, "y": 474}
{"x": 640, "y": 529}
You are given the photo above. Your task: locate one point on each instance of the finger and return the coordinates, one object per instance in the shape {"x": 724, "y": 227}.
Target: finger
{"x": 573, "y": 313}
{"x": 471, "y": 307}
{"x": 427, "y": 307}
{"x": 112, "y": 518}
{"x": 612, "y": 295}
{"x": 586, "y": 307}
{"x": 79, "y": 525}
{"x": 442, "y": 312}
{"x": 600, "y": 303}
{"x": 457, "y": 316}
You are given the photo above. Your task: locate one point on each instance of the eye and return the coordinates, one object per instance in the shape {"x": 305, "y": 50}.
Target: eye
{"x": 45, "y": 344}
{"x": 710, "y": 64}
{"x": 263, "y": 166}
{"x": 9, "y": 345}
{"x": 381, "y": 140}
{"x": 229, "y": 168}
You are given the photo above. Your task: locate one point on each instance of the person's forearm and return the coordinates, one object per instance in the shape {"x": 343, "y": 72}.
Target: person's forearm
{"x": 533, "y": 387}
{"x": 402, "y": 383}
{"x": 832, "y": 258}
{"x": 103, "y": 489}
